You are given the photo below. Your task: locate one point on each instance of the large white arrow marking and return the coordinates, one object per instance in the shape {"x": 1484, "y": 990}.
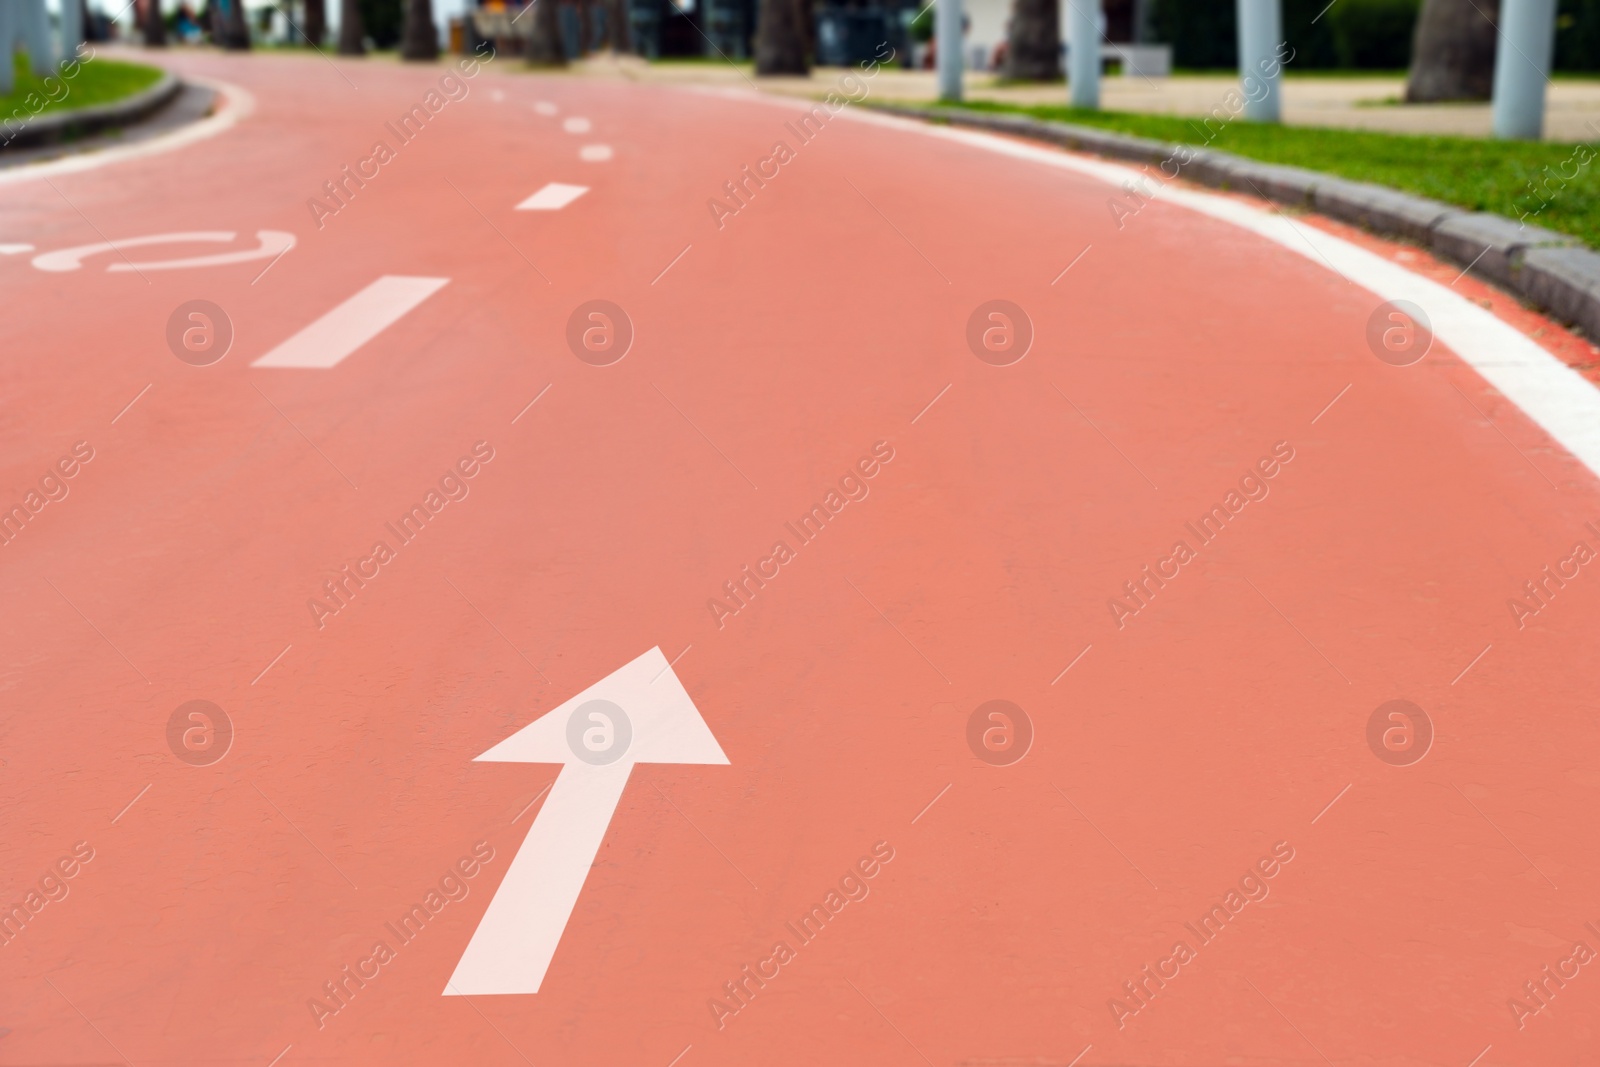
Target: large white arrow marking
{"x": 639, "y": 713}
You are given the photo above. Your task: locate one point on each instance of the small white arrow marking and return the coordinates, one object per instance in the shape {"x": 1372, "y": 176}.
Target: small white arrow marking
{"x": 513, "y": 945}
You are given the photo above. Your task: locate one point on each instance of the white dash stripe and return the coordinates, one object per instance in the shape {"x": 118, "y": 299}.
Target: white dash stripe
{"x": 553, "y": 197}
{"x": 328, "y": 340}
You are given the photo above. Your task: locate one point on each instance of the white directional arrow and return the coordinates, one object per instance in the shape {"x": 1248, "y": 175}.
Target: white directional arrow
{"x": 639, "y": 713}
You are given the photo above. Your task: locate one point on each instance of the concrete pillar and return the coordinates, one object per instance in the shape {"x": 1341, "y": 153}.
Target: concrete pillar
{"x": 1260, "y": 70}
{"x": 948, "y": 40}
{"x": 71, "y": 28}
{"x": 1522, "y": 67}
{"x": 1083, "y": 52}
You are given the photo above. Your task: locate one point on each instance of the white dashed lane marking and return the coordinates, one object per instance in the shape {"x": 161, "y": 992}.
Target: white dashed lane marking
{"x": 545, "y": 107}
{"x": 577, "y": 124}
{"x": 14, "y": 250}
{"x": 553, "y": 197}
{"x": 595, "y": 153}
{"x": 327, "y": 341}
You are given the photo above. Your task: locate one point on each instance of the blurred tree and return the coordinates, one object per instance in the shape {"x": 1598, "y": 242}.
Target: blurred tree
{"x": 545, "y": 48}
{"x": 381, "y": 19}
{"x": 315, "y": 26}
{"x": 420, "y": 38}
{"x": 619, "y": 33}
{"x": 352, "y": 31}
{"x": 1373, "y": 34}
{"x": 1452, "y": 56}
{"x": 1308, "y": 29}
{"x": 1033, "y": 41}
{"x": 153, "y": 25}
{"x": 585, "y": 12}
{"x": 1203, "y": 33}
{"x": 233, "y": 31}
{"x": 1578, "y": 35}
{"x": 1368, "y": 34}
{"x": 781, "y": 38}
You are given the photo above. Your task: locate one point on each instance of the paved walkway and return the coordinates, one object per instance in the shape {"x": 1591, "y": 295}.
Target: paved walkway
{"x": 1367, "y": 103}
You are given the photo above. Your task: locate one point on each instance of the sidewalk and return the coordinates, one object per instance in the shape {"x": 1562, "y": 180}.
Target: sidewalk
{"x": 1349, "y": 102}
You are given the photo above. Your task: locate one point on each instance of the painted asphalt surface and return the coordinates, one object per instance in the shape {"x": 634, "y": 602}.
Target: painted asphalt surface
{"x": 1211, "y": 748}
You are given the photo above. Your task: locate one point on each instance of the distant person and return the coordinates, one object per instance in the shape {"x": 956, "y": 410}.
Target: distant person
{"x": 187, "y": 25}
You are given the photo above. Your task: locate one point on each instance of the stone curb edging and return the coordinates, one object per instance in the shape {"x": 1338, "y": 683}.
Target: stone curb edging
{"x": 53, "y": 126}
{"x": 1554, "y": 272}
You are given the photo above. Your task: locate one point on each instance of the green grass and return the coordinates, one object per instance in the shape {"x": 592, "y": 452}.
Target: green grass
{"x": 1479, "y": 175}
{"x": 99, "y": 81}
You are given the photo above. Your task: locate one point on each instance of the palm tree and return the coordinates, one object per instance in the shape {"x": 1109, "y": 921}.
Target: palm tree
{"x": 1452, "y": 55}
{"x": 154, "y": 26}
{"x": 1033, "y": 49}
{"x": 235, "y": 30}
{"x": 545, "y": 47}
{"x": 352, "y": 33}
{"x": 618, "y": 28}
{"x": 781, "y": 38}
{"x": 420, "y": 39}
{"x": 316, "y": 22}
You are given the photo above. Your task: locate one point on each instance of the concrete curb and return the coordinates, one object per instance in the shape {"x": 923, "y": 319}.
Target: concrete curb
{"x": 52, "y": 126}
{"x": 1551, "y": 271}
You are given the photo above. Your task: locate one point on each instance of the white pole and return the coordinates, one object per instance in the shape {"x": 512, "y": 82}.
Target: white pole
{"x": 1260, "y": 35}
{"x": 1522, "y": 67}
{"x": 1083, "y": 53}
{"x": 947, "y": 34}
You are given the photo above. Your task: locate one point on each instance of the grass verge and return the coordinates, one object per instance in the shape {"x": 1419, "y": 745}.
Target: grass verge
{"x": 1478, "y": 175}
{"x": 99, "y": 81}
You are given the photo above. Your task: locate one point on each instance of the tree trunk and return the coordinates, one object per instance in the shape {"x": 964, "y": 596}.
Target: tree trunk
{"x": 235, "y": 28}
{"x": 316, "y": 25}
{"x": 155, "y": 28}
{"x": 585, "y": 11}
{"x": 352, "y": 33}
{"x": 1033, "y": 49}
{"x": 420, "y": 39}
{"x": 1452, "y": 55}
{"x": 618, "y": 28}
{"x": 545, "y": 48}
{"x": 781, "y": 38}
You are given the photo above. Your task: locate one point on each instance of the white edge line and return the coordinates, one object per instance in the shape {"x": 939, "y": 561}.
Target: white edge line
{"x": 238, "y": 104}
{"x": 1557, "y": 398}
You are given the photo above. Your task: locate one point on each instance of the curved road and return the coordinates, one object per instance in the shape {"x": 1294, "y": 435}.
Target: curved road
{"x": 1202, "y": 770}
